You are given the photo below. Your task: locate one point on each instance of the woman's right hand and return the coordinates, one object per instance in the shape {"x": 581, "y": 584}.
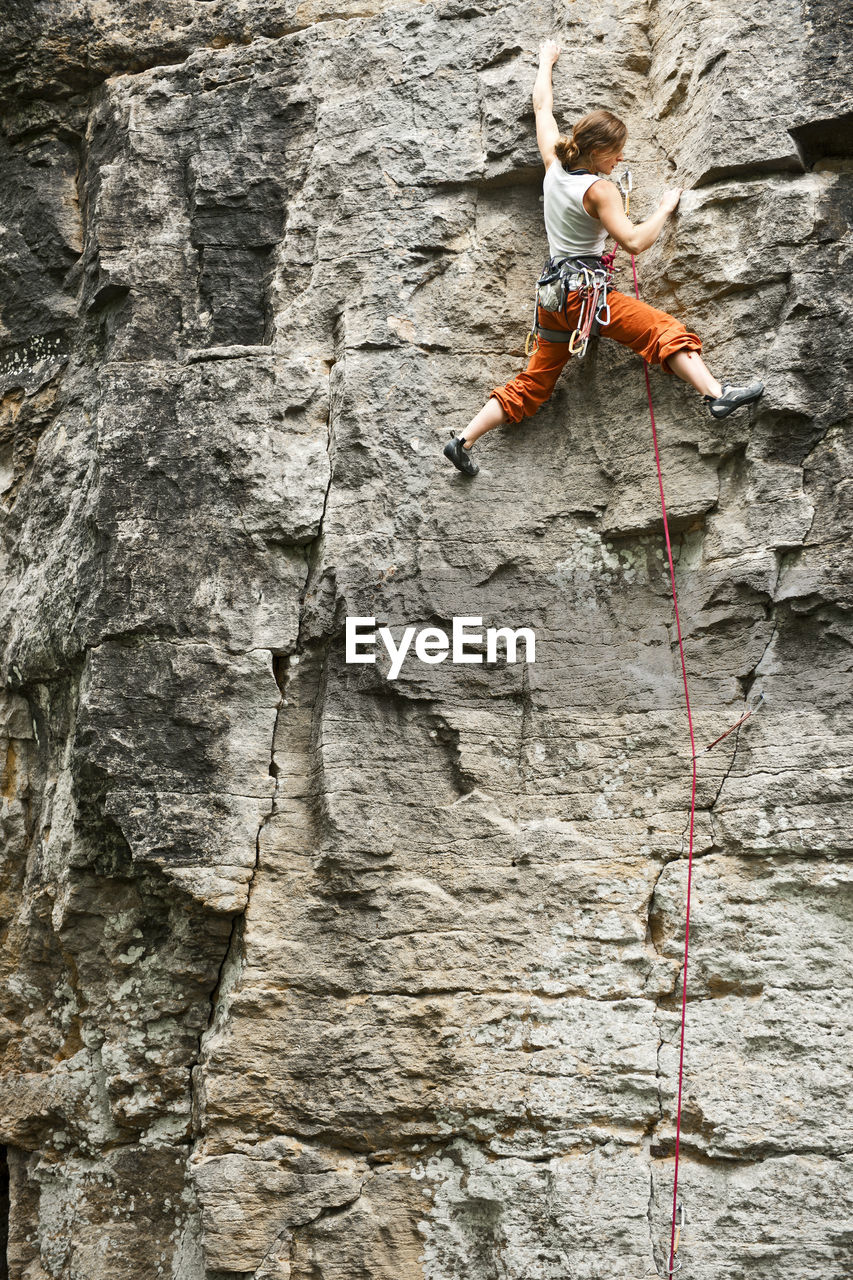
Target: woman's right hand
{"x": 549, "y": 52}
{"x": 669, "y": 202}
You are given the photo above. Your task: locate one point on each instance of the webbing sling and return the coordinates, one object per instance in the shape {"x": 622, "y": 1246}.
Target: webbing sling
{"x": 552, "y": 335}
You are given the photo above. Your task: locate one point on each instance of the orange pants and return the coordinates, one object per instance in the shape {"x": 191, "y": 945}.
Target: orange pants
{"x": 653, "y": 334}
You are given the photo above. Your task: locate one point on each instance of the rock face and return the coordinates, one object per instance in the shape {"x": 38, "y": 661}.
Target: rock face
{"x": 311, "y": 974}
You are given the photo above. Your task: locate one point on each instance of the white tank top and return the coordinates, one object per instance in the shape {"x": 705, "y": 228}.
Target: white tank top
{"x": 572, "y": 232}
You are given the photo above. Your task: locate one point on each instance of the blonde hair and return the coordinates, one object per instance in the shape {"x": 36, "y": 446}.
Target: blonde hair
{"x": 597, "y": 131}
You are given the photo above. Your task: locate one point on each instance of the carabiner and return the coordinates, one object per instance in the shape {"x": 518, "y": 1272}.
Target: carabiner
{"x": 604, "y": 307}
{"x": 679, "y": 1223}
{"x": 626, "y": 186}
{"x": 667, "y": 1272}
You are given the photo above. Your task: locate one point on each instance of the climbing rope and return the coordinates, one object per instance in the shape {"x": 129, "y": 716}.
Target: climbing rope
{"x": 625, "y": 186}
{"x": 673, "y": 1245}
{"x": 678, "y": 1215}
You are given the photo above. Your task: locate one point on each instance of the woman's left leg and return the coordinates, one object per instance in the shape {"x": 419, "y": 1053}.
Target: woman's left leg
{"x": 657, "y": 337}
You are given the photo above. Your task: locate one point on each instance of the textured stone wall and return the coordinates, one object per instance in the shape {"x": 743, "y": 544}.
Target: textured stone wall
{"x": 313, "y": 975}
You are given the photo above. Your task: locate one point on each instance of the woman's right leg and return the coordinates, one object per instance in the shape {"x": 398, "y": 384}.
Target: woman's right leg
{"x": 520, "y": 398}
{"x": 525, "y": 393}
{"x": 491, "y": 415}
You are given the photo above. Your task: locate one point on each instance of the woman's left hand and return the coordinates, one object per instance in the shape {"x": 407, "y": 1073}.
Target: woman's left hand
{"x": 670, "y": 199}
{"x": 549, "y": 52}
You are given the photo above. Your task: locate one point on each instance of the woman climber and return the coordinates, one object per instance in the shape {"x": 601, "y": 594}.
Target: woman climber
{"x": 580, "y": 210}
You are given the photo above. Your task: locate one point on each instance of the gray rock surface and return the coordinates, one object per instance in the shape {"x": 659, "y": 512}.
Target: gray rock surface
{"x": 311, "y": 974}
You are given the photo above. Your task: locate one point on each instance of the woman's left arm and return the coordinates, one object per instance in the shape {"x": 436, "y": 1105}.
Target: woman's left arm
{"x": 547, "y": 132}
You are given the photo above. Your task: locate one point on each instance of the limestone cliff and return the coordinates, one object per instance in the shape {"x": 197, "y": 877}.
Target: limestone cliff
{"x": 313, "y": 975}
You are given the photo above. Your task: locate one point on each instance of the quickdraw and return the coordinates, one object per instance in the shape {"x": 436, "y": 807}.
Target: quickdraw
{"x": 595, "y": 309}
{"x": 674, "y": 1261}
{"x": 626, "y": 186}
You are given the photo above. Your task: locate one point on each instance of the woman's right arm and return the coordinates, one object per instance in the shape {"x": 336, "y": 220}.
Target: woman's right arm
{"x": 547, "y": 131}
{"x": 606, "y": 203}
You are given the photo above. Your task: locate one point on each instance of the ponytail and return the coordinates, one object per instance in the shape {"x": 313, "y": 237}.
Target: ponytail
{"x": 567, "y": 151}
{"x": 597, "y": 131}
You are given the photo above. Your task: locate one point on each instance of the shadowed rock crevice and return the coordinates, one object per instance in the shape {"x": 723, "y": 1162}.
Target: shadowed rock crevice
{"x": 821, "y": 138}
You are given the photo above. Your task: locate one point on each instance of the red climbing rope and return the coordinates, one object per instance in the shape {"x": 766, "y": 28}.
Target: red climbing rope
{"x": 672, "y": 1242}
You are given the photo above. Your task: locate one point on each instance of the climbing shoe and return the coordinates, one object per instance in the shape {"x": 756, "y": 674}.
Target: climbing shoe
{"x": 732, "y": 398}
{"x": 457, "y": 453}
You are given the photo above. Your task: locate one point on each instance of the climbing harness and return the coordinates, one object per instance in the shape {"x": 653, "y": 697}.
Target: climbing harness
{"x": 564, "y": 276}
